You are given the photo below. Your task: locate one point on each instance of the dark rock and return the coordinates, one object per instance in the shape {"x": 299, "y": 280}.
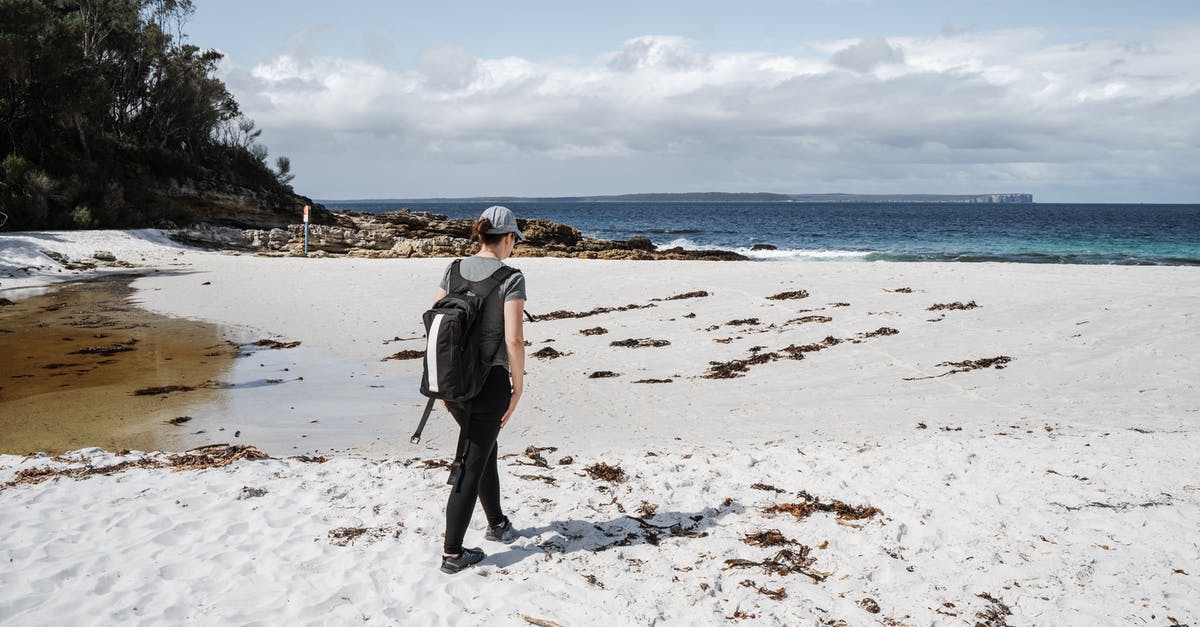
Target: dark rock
{"x": 764, "y": 247}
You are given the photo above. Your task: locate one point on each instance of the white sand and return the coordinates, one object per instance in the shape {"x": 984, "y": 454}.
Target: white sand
{"x": 1070, "y": 494}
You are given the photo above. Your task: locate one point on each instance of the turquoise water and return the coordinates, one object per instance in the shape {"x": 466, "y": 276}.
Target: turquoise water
{"x": 1024, "y": 233}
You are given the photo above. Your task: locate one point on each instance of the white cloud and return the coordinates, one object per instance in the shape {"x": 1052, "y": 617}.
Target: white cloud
{"x": 976, "y": 109}
{"x": 868, "y": 54}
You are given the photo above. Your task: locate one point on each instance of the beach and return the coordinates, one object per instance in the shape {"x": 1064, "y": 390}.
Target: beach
{"x": 797, "y": 443}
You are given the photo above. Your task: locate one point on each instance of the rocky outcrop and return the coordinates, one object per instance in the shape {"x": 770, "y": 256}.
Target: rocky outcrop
{"x": 421, "y": 234}
{"x": 240, "y": 207}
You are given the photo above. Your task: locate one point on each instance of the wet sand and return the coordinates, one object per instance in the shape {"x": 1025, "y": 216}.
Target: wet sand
{"x": 73, "y": 357}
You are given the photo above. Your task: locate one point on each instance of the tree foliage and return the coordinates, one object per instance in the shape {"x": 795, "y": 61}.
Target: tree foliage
{"x": 104, "y": 107}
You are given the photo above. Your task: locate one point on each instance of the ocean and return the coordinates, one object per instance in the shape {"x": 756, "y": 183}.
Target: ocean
{"x": 1129, "y": 234}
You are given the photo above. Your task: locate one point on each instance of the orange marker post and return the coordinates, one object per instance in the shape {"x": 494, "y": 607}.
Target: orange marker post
{"x": 306, "y": 229}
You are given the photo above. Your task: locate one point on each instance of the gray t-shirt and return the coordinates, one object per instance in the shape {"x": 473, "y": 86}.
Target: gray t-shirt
{"x": 491, "y": 330}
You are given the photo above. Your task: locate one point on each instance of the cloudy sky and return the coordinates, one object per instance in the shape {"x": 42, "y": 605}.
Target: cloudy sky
{"x": 1087, "y": 101}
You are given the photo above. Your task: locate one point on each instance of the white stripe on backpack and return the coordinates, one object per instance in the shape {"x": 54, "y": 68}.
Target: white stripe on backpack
{"x": 431, "y": 360}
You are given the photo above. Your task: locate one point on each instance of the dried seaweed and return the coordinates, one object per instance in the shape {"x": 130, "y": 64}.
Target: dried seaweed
{"x": 737, "y": 367}
{"x": 768, "y": 538}
{"x": 880, "y": 332}
{"x": 900, "y": 290}
{"x": 563, "y": 314}
{"x": 777, "y": 595}
{"x": 995, "y": 614}
{"x": 544, "y": 478}
{"x": 955, "y": 306}
{"x": 785, "y": 562}
{"x": 654, "y": 381}
{"x": 796, "y": 295}
{"x": 797, "y": 352}
{"x": 345, "y": 536}
{"x": 179, "y": 420}
{"x": 811, "y": 504}
{"x": 743, "y": 322}
{"x": 869, "y": 605}
{"x": 640, "y": 343}
{"x": 275, "y": 344}
{"x": 767, "y": 488}
{"x": 213, "y": 456}
{"x": 696, "y": 294}
{"x": 548, "y": 353}
{"x": 106, "y": 351}
{"x": 999, "y": 363}
{"x": 805, "y": 319}
{"x": 405, "y": 354}
{"x": 601, "y": 471}
{"x": 166, "y": 389}
{"x": 431, "y": 464}
{"x": 534, "y": 453}
{"x": 593, "y": 331}
{"x": 603, "y": 374}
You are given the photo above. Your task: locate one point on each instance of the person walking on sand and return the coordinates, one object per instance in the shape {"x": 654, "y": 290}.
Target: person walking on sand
{"x": 502, "y": 349}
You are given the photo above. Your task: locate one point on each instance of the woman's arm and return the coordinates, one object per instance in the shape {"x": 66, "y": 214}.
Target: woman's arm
{"x": 514, "y": 343}
{"x": 441, "y": 293}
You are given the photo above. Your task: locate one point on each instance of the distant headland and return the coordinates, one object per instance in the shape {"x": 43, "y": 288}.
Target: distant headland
{"x": 1007, "y": 199}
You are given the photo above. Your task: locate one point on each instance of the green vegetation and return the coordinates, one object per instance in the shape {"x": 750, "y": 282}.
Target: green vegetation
{"x": 105, "y": 111}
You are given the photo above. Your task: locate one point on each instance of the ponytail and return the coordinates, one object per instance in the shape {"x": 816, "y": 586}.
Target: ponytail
{"x": 479, "y": 232}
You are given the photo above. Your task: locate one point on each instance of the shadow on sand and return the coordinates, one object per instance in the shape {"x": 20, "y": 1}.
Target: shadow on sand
{"x": 570, "y": 536}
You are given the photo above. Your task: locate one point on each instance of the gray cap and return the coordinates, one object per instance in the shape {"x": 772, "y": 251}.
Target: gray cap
{"x": 503, "y": 221}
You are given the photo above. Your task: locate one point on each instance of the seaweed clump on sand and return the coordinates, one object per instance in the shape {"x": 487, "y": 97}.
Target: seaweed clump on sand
{"x": 562, "y": 314}
{"x": 796, "y": 295}
{"x": 999, "y": 363}
{"x": 769, "y": 538}
{"x": 811, "y": 504}
{"x": 166, "y": 389}
{"x": 601, "y": 471}
{"x": 640, "y": 343}
{"x": 654, "y": 381}
{"x": 107, "y": 350}
{"x": 797, "y": 352}
{"x": 212, "y": 456}
{"x": 743, "y": 322}
{"x": 955, "y": 306}
{"x": 737, "y": 367}
{"x": 405, "y": 354}
{"x": 880, "y": 332}
{"x": 593, "y": 331}
{"x": 900, "y": 290}
{"x": 785, "y": 562}
{"x": 548, "y": 353}
{"x": 603, "y": 374}
{"x": 777, "y": 595}
{"x": 686, "y": 295}
{"x": 275, "y": 344}
{"x": 345, "y": 536}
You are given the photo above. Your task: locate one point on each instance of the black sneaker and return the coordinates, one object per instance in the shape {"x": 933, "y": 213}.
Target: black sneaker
{"x": 501, "y": 533}
{"x": 468, "y": 557}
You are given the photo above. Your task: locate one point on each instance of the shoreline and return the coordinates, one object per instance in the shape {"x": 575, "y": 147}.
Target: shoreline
{"x": 1054, "y": 489}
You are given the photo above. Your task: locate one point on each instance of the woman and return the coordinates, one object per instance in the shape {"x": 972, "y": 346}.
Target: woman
{"x": 502, "y": 348}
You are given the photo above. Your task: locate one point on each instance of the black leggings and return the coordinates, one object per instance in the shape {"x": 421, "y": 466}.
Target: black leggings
{"x": 477, "y": 477}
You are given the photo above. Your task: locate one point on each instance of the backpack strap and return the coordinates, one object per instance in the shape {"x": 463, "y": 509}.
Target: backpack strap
{"x": 416, "y": 437}
{"x": 482, "y": 289}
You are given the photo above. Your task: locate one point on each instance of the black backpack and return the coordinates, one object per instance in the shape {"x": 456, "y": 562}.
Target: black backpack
{"x": 453, "y": 368}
